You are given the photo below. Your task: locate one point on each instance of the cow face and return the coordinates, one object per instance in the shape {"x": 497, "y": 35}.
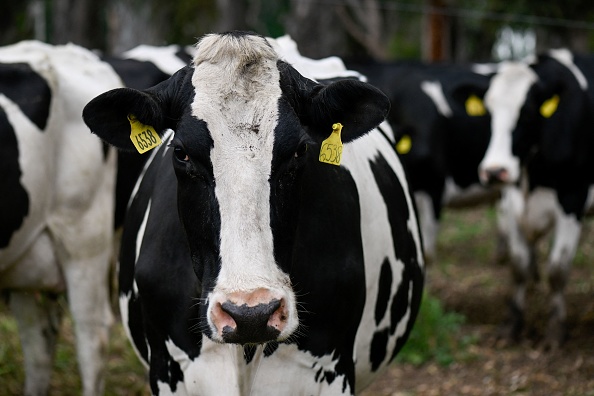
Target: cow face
{"x": 506, "y": 100}
{"x": 536, "y": 108}
{"x": 243, "y": 121}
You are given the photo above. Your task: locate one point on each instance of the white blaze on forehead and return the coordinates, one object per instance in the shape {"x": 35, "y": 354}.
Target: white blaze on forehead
{"x": 504, "y": 100}
{"x": 237, "y": 91}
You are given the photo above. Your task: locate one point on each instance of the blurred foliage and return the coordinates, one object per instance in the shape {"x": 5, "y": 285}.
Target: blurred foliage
{"x": 473, "y": 24}
{"x": 434, "y": 336}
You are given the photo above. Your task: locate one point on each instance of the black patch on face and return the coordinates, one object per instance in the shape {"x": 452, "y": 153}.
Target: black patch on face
{"x": 292, "y": 148}
{"x": 21, "y": 84}
{"x": 13, "y": 196}
{"x": 168, "y": 291}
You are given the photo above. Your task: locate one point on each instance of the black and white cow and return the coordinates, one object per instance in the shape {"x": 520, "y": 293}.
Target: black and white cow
{"x": 247, "y": 265}
{"x": 542, "y": 116}
{"x": 56, "y": 205}
{"x": 442, "y": 131}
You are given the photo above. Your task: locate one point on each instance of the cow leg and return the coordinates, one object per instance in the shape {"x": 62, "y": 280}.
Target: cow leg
{"x": 92, "y": 318}
{"x": 522, "y": 261}
{"x": 566, "y": 238}
{"x": 38, "y": 317}
{"x": 83, "y": 230}
{"x": 429, "y": 224}
{"x": 502, "y": 253}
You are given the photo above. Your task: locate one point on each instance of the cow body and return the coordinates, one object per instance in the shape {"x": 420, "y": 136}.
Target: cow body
{"x": 440, "y": 137}
{"x": 56, "y": 205}
{"x": 247, "y": 265}
{"x": 541, "y": 120}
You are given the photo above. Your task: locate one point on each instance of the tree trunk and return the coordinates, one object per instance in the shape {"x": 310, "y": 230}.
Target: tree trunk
{"x": 317, "y": 30}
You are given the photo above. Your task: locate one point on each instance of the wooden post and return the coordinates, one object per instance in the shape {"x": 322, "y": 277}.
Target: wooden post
{"x": 437, "y": 37}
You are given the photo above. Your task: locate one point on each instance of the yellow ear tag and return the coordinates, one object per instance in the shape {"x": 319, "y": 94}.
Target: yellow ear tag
{"x": 331, "y": 150}
{"x": 404, "y": 144}
{"x": 549, "y": 106}
{"x": 144, "y": 137}
{"x": 475, "y": 107}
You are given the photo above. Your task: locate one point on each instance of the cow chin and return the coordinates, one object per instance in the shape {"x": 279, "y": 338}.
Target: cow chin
{"x": 255, "y": 317}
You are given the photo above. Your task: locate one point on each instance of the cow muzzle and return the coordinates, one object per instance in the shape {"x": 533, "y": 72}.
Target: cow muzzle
{"x": 493, "y": 176}
{"x": 249, "y": 318}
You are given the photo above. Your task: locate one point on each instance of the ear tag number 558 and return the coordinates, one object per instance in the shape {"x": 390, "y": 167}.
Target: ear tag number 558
{"x": 331, "y": 150}
{"x": 144, "y": 137}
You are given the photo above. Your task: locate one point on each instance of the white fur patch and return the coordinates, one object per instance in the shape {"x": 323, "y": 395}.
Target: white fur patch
{"x": 286, "y": 371}
{"x": 504, "y": 100}
{"x": 565, "y": 57}
{"x": 315, "y": 69}
{"x": 434, "y": 90}
{"x": 237, "y": 92}
{"x": 164, "y": 58}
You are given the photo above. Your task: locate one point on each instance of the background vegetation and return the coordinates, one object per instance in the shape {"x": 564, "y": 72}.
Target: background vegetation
{"x": 458, "y": 30}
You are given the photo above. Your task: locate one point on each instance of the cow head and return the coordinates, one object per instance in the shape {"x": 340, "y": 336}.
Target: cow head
{"x": 505, "y": 100}
{"x": 536, "y": 108}
{"x": 243, "y": 120}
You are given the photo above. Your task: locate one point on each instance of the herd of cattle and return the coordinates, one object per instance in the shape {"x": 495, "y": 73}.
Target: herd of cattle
{"x": 269, "y": 202}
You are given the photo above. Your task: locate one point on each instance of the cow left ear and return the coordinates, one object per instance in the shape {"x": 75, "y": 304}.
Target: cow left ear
{"x": 117, "y": 115}
{"x": 358, "y": 106}
{"x": 109, "y": 115}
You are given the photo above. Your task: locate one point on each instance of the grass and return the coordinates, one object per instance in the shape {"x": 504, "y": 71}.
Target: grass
{"x": 434, "y": 336}
{"x": 125, "y": 374}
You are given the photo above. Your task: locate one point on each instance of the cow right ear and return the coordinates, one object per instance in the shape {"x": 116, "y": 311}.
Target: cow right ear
{"x": 108, "y": 115}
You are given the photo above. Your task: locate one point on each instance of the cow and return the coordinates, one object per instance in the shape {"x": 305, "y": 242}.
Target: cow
{"x": 56, "y": 206}
{"x": 442, "y": 132}
{"x": 248, "y": 266}
{"x": 541, "y": 151}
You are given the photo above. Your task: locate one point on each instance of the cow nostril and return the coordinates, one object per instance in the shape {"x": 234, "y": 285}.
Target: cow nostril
{"x": 253, "y": 324}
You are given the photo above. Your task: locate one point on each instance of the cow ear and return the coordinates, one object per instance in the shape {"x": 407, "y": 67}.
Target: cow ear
{"x": 108, "y": 114}
{"x": 470, "y": 97}
{"x": 358, "y": 106}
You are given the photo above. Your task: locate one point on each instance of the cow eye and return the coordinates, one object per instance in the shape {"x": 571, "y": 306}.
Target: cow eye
{"x": 180, "y": 154}
{"x": 301, "y": 150}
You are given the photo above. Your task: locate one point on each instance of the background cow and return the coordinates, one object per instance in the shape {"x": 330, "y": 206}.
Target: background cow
{"x": 238, "y": 234}
{"x": 56, "y": 205}
{"x": 442, "y": 131}
{"x": 542, "y": 116}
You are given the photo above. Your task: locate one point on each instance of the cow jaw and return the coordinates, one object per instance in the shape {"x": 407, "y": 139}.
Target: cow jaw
{"x": 504, "y": 100}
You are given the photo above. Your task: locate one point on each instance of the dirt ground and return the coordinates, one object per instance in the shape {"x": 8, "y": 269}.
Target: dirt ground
{"x": 479, "y": 290}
